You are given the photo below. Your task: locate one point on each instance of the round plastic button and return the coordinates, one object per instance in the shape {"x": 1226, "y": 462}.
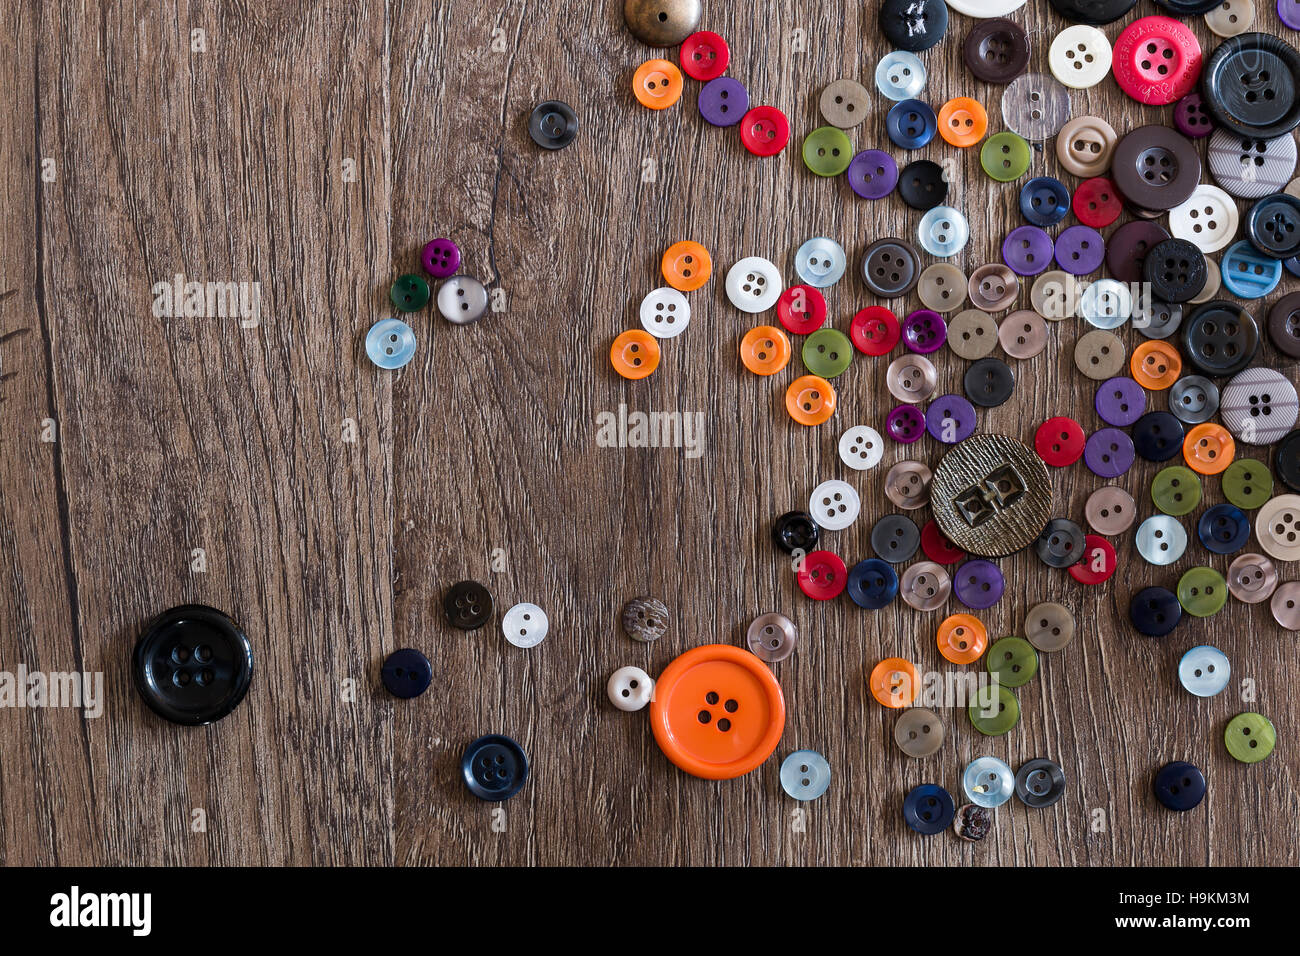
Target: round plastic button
{"x": 1175, "y": 270}
{"x": 1191, "y": 118}
{"x": 1055, "y": 295}
{"x": 821, "y": 576}
{"x": 665, "y": 313}
{"x": 900, "y": 75}
{"x": 914, "y": 25}
{"x": 993, "y": 288}
{"x": 873, "y": 174}
{"x": 911, "y": 378}
{"x": 922, "y": 184}
{"x": 1259, "y": 406}
{"x": 845, "y": 103}
{"x": 1044, "y": 201}
{"x": 1202, "y": 591}
{"x": 1158, "y": 436}
{"x": 834, "y": 505}
{"x": 1059, "y": 441}
{"x": 981, "y": 9}
{"x": 937, "y": 547}
{"x": 1156, "y": 365}
{"x": 192, "y": 665}
{"x": 686, "y": 265}
{"x": 772, "y": 637}
{"x": 1157, "y": 320}
{"x": 1219, "y": 338}
{"x": 724, "y": 101}
{"x": 1247, "y": 484}
{"x": 962, "y": 638}
{"x": 409, "y": 292}
{"x": 1040, "y": 783}
{"x": 1028, "y": 250}
{"x": 890, "y": 267}
{"x": 994, "y": 714}
{"x": 793, "y": 531}
{"x": 801, "y": 309}
{"x": 1284, "y": 324}
{"x": 1085, "y": 145}
{"x": 989, "y": 382}
{"x": 1049, "y": 626}
{"x": 1080, "y": 57}
{"x": 1277, "y": 526}
{"x": 468, "y": 605}
{"x": 704, "y": 56}
{"x": 1273, "y": 226}
{"x": 827, "y": 352}
{"x": 919, "y": 732}
{"x": 765, "y": 350}
{"x": 634, "y": 354}
{"x": 907, "y": 484}
{"x": 911, "y": 124}
{"x": 1155, "y": 168}
{"x": 979, "y": 584}
{"x": 1035, "y": 106}
{"x": 406, "y": 673}
{"x": 894, "y": 682}
{"x": 924, "y": 331}
{"x": 972, "y": 334}
{"x": 873, "y": 584}
{"x": 943, "y": 232}
{"x": 928, "y": 809}
{"x": 1194, "y": 399}
{"x": 950, "y": 419}
{"x": 657, "y": 84}
{"x": 942, "y": 286}
{"x": 1110, "y": 510}
{"x": 1252, "y": 578}
{"x": 440, "y": 258}
{"x": 552, "y": 125}
{"x": 1250, "y": 737}
{"x": 1097, "y": 202}
{"x": 1005, "y": 156}
{"x": 645, "y": 619}
{"x": 925, "y": 586}
{"x": 1286, "y": 460}
{"x": 1285, "y": 605}
{"x": 1288, "y": 11}
{"x": 1098, "y": 564}
{"x": 1155, "y": 611}
{"x": 390, "y": 343}
{"x": 1080, "y": 250}
{"x": 988, "y": 782}
{"x": 1208, "y": 449}
{"x": 963, "y": 122}
{"x": 494, "y": 767}
{"x": 1247, "y": 273}
{"x": 1120, "y": 401}
{"x": 1061, "y": 543}
{"x": 895, "y": 538}
{"x": 1156, "y": 60}
{"x": 1251, "y": 168}
{"x": 995, "y": 51}
{"x": 1179, "y": 786}
{"x": 1128, "y": 248}
{"x": 525, "y": 625}
{"x": 827, "y": 151}
{"x": 1106, "y": 304}
{"x": 1204, "y": 671}
{"x": 1013, "y": 660}
{"x": 630, "y": 689}
{"x": 861, "y": 447}
{"x": 1223, "y": 529}
{"x": 875, "y": 331}
{"x": 810, "y": 400}
{"x": 1250, "y": 84}
{"x": 805, "y": 775}
{"x": 764, "y": 130}
{"x": 753, "y": 284}
{"x": 1231, "y": 17}
{"x": 1109, "y": 453}
{"x": 1176, "y": 490}
{"x": 1099, "y": 354}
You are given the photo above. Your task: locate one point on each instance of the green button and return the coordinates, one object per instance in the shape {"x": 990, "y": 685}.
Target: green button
{"x": 409, "y": 293}
{"x": 1176, "y": 490}
{"x": 1202, "y": 591}
{"x": 1247, "y": 483}
{"x": 1013, "y": 660}
{"x": 1005, "y": 156}
{"x": 1250, "y": 737}
{"x": 827, "y": 151}
{"x": 1007, "y": 716}
{"x": 827, "y": 352}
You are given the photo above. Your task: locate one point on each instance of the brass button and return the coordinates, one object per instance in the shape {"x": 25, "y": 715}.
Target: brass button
{"x": 906, "y": 484}
{"x": 1099, "y": 354}
{"x": 662, "y": 22}
{"x": 991, "y": 495}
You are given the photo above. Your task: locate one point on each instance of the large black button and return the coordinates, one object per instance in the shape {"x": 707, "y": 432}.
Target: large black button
{"x": 1273, "y": 226}
{"x": 795, "y": 531}
{"x": 996, "y": 51}
{"x": 1284, "y": 324}
{"x": 494, "y": 767}
{"x": 922, "y": 184}
{"x": 1249, "y": 85}
{"x": 1220, "y": 338}
{"x": 1158, "y": 436}
{"x": 553, "y": 125}
{"x": 1061, "y": 544}
{"x": 1176, "y": 271}
{"x": 1155, "y": 611}
{"x": 989, "y": 382}
{"x": 914, "y": 24}
{"x": 192, "y": 664}
{"x": 406, "y": 673}
{"x": 468, "y": 605}
{"x": 1286, "y": 460}
{"x": 891, "y": 267}
{"x": 1095, "y": 12}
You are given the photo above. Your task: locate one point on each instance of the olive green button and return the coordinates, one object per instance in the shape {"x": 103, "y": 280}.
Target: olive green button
{"x": 1004, "y": 156}
{"x": 827, "y": 352}
{"x": 827, "y": 151}
{"x": 1176, "y": 490}
{"x": 409, "y": 293}
{"x": 1007, "y": 711}
{"x": 1013, "y": 660}
{"x": 1250, "y": 737}
{"x": 1247, "y": 483}
{"x": 1202, "y": 591}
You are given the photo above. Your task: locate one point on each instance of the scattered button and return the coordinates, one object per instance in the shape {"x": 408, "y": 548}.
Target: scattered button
{"x": 1175, "y": 270}
{"x": 753, "y": 284}
{"x": 1250, "y": 737}
{"x": 1176, "y": 490}
{"x": 988, "y": 782}
{"x": 440, "y": 258}
{"x": 1208, "y": 449}
{"x": 1284, "y": 325}
{"x": 943, "y": 231}
{"x": 1204, "y": 671}
{"x": 1179, "y": 786}
{"x": 988, "y": 383}
{"x": 1085, "y": 145}
{"x": 704, "y": 56}
{"x": 1202, "y": 591}
{"x": 994, "y": 713}
{"x": 937, "y": 547}
{"x": 645, "y": 619}
{"x": 390, "y": 344}
{"x": 1249, "y": 84}
{"x": 894, "y": 682}
{"x": 827, "y": 353}
{"x": 801, "y": 309}
{"x": 895, "y": 538}
{"x": 873, "y": 174}
{"x": 468, "y": 605}
{"x": 1248, "y": 274}
{"x": 1277, "y": 526}
{"x": 1035, "y": 106}
{"x": 794, "y": 531}
{"x": 1080, "y": 57}
{"x": 1060, "y": 545}
{"x": 1106, "y": 304}
{"x": 1230, "y": 18}
{"x": 772, "y": 637}
{"x": 1219, "y": 339}
{"x": 861, "y": 447}
{"x": 950, "y": 419}
{"x": 525, "y": 625}
{"x": 890, "y": 267}
{"x": 872, "y": 584}
{"x": 1155, "y": 611}
{"x": 919, "y": 732}
{"x": 972, "y": 334}
{"x": 875, "y": 331}
{"x": 1120, "y": 401}
{"x": 1049, "y": 626}
{"x": 962, "y": 122}
{"x": 1098, "y": 564}
{"x": 462, "y": 299}
{"x": 834, "y": 505}
{"x": 1110, "y": 510}
{"x": 1252, "y": 578}
{"x": 1012, "y": 660}
{"x": 907, "y": 484}
{"x": 406, "y": 673}
{"x": 1251, "y": 168}
{"x": 665, "y": 313}
{"x": 993, "y": 288}
{"x": 911, "y": 124}
{"x": 192, "y": 664}
{"x": 686, "y": 265}
{"x": 905, "y": 424}
{"x": 913, "y": 25}
{"x": 827, "y": 151}
{"x": 661, "y": 23}
{"x": 1044, "y": 201}
{"x": 928, "y": 809}
{"x": 845, "y": 103}
{"x": 634, "y": 354}
{"x": 1156, "y": 60}
{"x": 900, "y": 75}
{"x": 922, "y": 184}
{"x": 991, "y": 496}
{"x": 1080, "y": 250}
{"x": 1247, "y": 483}
{"x": 942, "y": 286}
{"x": 962, "y": 638}
{"x": 1040, "y": 783}
{"x": 925, "y": 586}
{"x": 805, "y": 775}
{"x": 494, "y": 767}
{"x": 924, "y": 331}
{"x": 1286, "y": 461}
{"x": 1259, "y": 406}
{"x": 1158, "y": 320}
{"x": 409, "y": 292}
{"x": 979, "y": 584}
{"x": 765, "y": 350}
{"x": 822, "y": 576}
{"x": 1099, "y": 354}
{"x": 1158, "y": 436}
{"x": 911, "y": 378}
{"x": 1155, "y": 168}
{"x": 630, "y": 689}
{"x": 724, "y": 101}
{"x": 1285, "y": 605}
{"x": 1005, "y": 157}
{"x": 1161, "y": 540}
{"x": 996, "y": 51}
{"x": 1223, "y": 529}
{"x": 1028, "y": 250}
{"x": 764, "y": 130}
{"x": 1128, "y": 247}
{"x": 1273, "y": 226}
{"x": 1055, "y": 295}
{"x": 657, "y": 84}
{"x": 552, "y": 125}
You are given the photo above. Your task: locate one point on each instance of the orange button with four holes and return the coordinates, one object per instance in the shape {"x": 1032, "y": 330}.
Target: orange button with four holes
{"x": 634, "y": 354}
{"x": 1156, "y": 365}
{"x": 657, "y": 84}
{"x": 717, "y": 712}
{"x": 686, "y": 265}
{"x": 765, "y": 350}
{"x": 810, "y": 400}
{"x": 1209, "y": 449}
{"x": 962, "y": 638}
{"x": 962, "y": 121}
{"x": 895, "y": 682}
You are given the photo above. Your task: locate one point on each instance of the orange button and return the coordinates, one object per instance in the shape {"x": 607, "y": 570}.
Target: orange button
{"x": 1156, "y": 365}
{"x": 962, "y": 638}
{"x": 963, "y": 122}
{"x": 686, "y": 265}
{"x": 1209, "y": 449}
{"x": 717, "y": 712}
{"x": 810, "y": 400}
{"x": 634, "y": 354}
{"x": 765, "y": 350}
{"x": 895, "y": 682}
{"x": 657, "y": 84}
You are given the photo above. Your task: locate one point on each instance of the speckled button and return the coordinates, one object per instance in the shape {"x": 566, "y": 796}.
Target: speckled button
{"x": 1259, "y": 406}
{"x": 911, "y": 378}
{"x": 925, "y": 586}
{"x": 1049, "y": 626}
{"x": 989, "y": 382}
{"x": 1040, "y": 783}
{"x": 993, "y": 287}
{"x": 942, "y": 287}
{"x": 1110, "y": 510}
{"x": 905, "y": 424}
{"x": 1055, "y": 295}
{"x": 1085, "y": 145}
{"x": 913, "y": 25}
{"x": 1249, "y": 737}
{"x": 919, "y": 732}
{"x": 645, "y": 619}
{"x": 772, "y": 637}
{"x": 1157, "y": 60}
{"x": 1035, "y": 106}
{"x": 1202, "y": 591}
{"x": 900, "y": 75}
{"x": 1106, "y": 304}
{"x": 1061, "y": 543}
{"x": 950, "y": 419}
{"x": 1080, "y": 250}
{"x": 1158, "y": 436}
{"x": 1161, "y": 540}
{"x": 1219, "y": 338}
{"x": 1156, "y": 168}
{"x": 1285, "y": 605}
{"x": 1250, "y": 167}
{"x": 845, "y": 103}
{"x": 1128, "y": 247}
{"x": 1252, "y": 578}
{"x": 1027, "y": 250}
{"x": 996, "y": 51}
{"x": 1179, "y": 786}
{"x": 834, "y": 505}
{"x": 988, "y": 782}
{"x": 972, "y": 334}
{"x": 1155, "y": 611}
{"x": 861, "y": 447}
{"x": 1099, "y": 354}
{"x": 1176, "y": 490}
{"x": 890, "y": 267}
{"x": 1022, "y": 334}
{"x": 978, "y": 584}
{"x": 1120, "y": 401}
{"x": 895, "y": 538}
{"x": 907, "y": 484}
{"x": 1277, "y": 526}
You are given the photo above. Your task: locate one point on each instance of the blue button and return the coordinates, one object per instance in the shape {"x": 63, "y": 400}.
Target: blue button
{"x": 900, "y": 75}
{"x": 1204, "y": 671}
{"x": 943, "y": 232}
{"x": 1158, "y": 436}
{"x": 1161, "y": 540}
{"x": 1223, "y": 529}
{"x": 911, "y": 124}
{"x": 1155, "y": 611}
{"x": 872, "y": 584}
{"x": 1248, "y": 273}
{"x": 1044, "y": 201}
{"x": 406, "y": 673}
{"x": 928, "y": 808}
{"x": 805, "y": 775}
{"x": 494, "y": 767}
{"x": 988, "y": 782}
{"x": 1180, "y": 785}
{"x": 390, "y": 343}
{"x": 820, "y": 262}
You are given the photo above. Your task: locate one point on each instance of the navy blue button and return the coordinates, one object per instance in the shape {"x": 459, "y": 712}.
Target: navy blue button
{"x": 911, "y": 124}
{"x": 494, "y": 767}
{"x": 1223, "y": 529}
{"x": 928, "y": 808}
{"x": 406, "y": 673}
{"x": 872, "y": 584}
{"x": 1180, "y": 785}
{"x": 1158, "y": 436}
{"x": 1155, "y": 611}
{"x": 1044, "y": 201}
{"x": 192, "y": 664}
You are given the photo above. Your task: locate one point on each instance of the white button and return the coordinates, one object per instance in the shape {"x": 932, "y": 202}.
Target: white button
{"x": 1259, "y": 406}
{"x": 525, "y": 625}
{"x": 1208, "y": 219}
{"x": 834, "y": 505}
{"x": 1277, "y": 526}
{"x": 1251, "y": 168}
{"x": 1204, "y": 671}
{"x": 820, "y": 262}
{"x": 1161, "y": 540}
{"x": 1080, "y": 56}
{"x": 1230, "y": 18}
{"x": 861, "y": 447}
{"x": 984, "y": 9}
{"x": 665, "y": 313}
{"x": 1106, "y": 303}
{"x": 630, "y": 688}
{"x": 753, "y": 284}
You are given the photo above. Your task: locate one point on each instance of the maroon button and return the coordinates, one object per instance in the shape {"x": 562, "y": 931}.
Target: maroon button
{"x": 1097, "y": 203}
{"x": 996, "y": 51}
{"x": 937, "y": 547}
{"x": 1128, "y": 247}
{"x": 1155, "y": 168}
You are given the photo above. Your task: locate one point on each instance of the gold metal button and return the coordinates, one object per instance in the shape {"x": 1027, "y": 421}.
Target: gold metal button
{"x": 661, "y": 22}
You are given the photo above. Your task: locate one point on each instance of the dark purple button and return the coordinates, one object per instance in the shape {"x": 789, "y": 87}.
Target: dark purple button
{"x": 873, "y": 174}
{"x": 1128, "y": 248}
{"x": 440, "y": 258}
{"x": 924, "y": 331}
{"x": 905, "y": 424}
{"x": 978, "y": 584}
{"x": 723, "y": 101}
{"x": 1027, "y": 250}
{"x": 950, "y": 419}
{"x": 1120, "y": 401}
{"x": 1109, "y": 453}
{"x": 1080, "y": 250}
{"x": 1288, "y": 11}
{"x": 1191, "y": 117}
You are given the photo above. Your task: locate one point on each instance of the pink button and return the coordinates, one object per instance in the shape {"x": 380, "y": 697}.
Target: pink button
{"x": 1157, "y": 60}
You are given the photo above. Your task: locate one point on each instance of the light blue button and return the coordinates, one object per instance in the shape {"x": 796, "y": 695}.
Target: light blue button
{"x": 1161, "y": 540}
{"x": 943, "y": 232}
{"x": 1106, "y": 304}
{"x": 900, "y": 75}
{"x": 390, "y": 343}
{"x": 805, "y": 775}
{"x": 1247, "y": 273}
{"x": 988, "y": 782}
{"x": 820, "y": 262}
{"x": 1204, "y": 671}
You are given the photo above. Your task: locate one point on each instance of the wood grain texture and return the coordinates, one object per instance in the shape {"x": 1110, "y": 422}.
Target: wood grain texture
{"x": 176, "y": 434}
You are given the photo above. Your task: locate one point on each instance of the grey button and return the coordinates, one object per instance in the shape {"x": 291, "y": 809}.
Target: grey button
{"x": 1049, "y": 626}
{"x": 645, "y": 619}
{"x": 1194, "y": 399}
{"x": 890, "y": 267}
{"x": 772, "y": 637}
{"x": 925, "y": 586}
{"x": 991, "y": 495}
{"x": 1099, "y": 354}
{"x": 1251, "y": 168}
{"x": 1259, "y": 406}
{"x": 1156, "y": 320}
{"x": 972, "y": 334}
{"x": 462, "y": 299}
{"x": 906, "y": 484}
{"x": 895, "y": 538}
{"x": 919, "y": 732}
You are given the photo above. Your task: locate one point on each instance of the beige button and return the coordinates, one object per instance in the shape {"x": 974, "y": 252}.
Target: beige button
{"x": 993, "y": 287}
{"x": 925, "y": 586}
{"x": 972, "y": 334}
{"x": 1110, "y": 510}
{"x": 662, "y": 22}
{"x": 1230, "y": 18}
{"x": 1049, "y": 626}
{"x": 1286, "y": 605}
{"x": 1099, "y": 354}
{"x": 845, "y": 103}
{"x": 911, "y": 378}
{"x": 907, "y": 484}
{"x": 1277, "y": 526}
{"x": 1055, "y": 295}
{"x": 1213, "y": 280}
{"x": 1251, "y": 578}
{"x": 1084, "y": 146}
{"x": 1023, "y": 334}
{"x": 919, "y": 732}
{"x": 942, "y": 287}
{"x": 1293, "y": 188}
{"x": 772, "y": 637}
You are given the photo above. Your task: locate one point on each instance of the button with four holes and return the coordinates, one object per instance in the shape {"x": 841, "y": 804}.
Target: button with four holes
{"x": 192, "y": 664}
{"x": 494, "y": 767}
{"x": 665, "y": 313}
{"x": 468, "y": 605}
{"x": 834, "y": 505}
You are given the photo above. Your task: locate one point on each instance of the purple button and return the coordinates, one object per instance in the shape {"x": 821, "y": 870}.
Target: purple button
{"x": 873, "y": 174}
{"x": 440, "y": 258}
{"x": 950, "y": 419}
{"x": 1027, "y": 250}
{"x": 723, "y": 101}
{"x": 1080, "y": 250}
{"x": 924, "y": 331}
{"x": 905, "y": 424}
{"x": 1288, "y": 11}
{"x": 1109, "y": 453}
{"x": 978, "y": 584}
{"x": 1120, "y": 401}
{"x": 1191, "y": 117}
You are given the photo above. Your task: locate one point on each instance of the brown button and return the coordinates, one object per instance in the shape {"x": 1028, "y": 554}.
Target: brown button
{"x": 1286, "y": 605}
{"x": 645, "y": 619}
{"x": 907, "y": 484}
{"x": 925, "y": 586}
{"x": 1284, "y": 324}
{"x": 942, "y": 287}
{"x": 911, "y": 378}
{"x": 996, "y": 51}
{"x": 993, "y": 287}
{"x": 1251, "y": 578}
{"x": 1023, "y": 334}
{"x": 1155, "y": 168}
{"x": 772, "y": 637}
{"x": 1213, "y": 280}
{"x": 1110, "y": 510}
{"x": 1099, "y": 354}
{"x": 919, "y": 732}
{"x": 1277, "y": 526}
{"x": 661, "y": 22}
{"x": 1049, "y": 626}
{"x": 1085, "y": 145}
{"x": 972, "y": 334}
{"x": 1055, "y": 295}
{"x": 845, "y": 103}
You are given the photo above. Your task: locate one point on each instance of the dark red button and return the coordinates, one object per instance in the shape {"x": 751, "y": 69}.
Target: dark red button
{"x": 764, "y": 130}
{"x": 822, "y": 575}
{"x": 1097, "y": 203}
{"x": 801, "y": 309}
{"x": 1098, "y": 562}
{"x": 704, "y": 56}
{"x": 875, "y": 330}
{"x": 1059, "y": 441}
{"x": 937, "y": 547}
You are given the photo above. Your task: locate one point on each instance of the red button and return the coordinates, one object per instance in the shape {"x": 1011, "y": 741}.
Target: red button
{"x": 704, "y": 55}
{"x": 822, "y": 575}
{"x": 1059, "y": 441}
{"x": 1098, "y": 562}
{"x": 937, "y": 547}
{"x": 875, "y": 330}
{"x": 1156, "y": 60}
{"x": 801, "y": 309}
{"x": 764, "y": 130}
{"x": 1097, "y": 203}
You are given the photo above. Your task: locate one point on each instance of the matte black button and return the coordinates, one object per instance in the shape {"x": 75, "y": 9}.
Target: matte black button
{"x": 795, "y": 531}
{"x": 1158, "y": 436}
{"x": 895, "y": 538}
{"x": 989, "y": 382}
{"x": 1249, "y": 85}
{"x": 1220, "y": 338}
{"x": 1095, "y": 12}
{"x": 553, "y": 125}
{"x": 913, "y": 25}
{"x": 406, "y": 673}
{"x": 1176, "y": 270}
{"x": 922, "y": 184}
{"x": 1273, "y": 226}
{"x": 662, "y": 22}
{"x": 468, "y": 605}
{"x": 1284, "y": 324}
{"x": 1180, "y": 785}
{"x": 996, "y": 51}
{"x": 1061, "y": 544}
{"x": 1155, "y": 168}
{"x": 891, "y": 267}
{"x": 494, "y": 767}
{"x": 1040, "y": 782}
{"x": 1155, "y": 611}
{"x": 1286, "y": 460}
{"x": 192, "y": 664}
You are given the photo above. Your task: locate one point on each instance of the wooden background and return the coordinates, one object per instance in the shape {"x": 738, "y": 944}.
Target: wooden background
{"x": 176, "y": 434}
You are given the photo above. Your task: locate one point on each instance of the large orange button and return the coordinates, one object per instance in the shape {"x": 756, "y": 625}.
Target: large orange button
{"x": 717, "y": 712}
{"x": 657, "y": 84}
{"x": 1209, "y": 449}
{"x": 686, "y": 265}
{"x": 634, "y": 354}
{"x": 1156, "y": 365}
{"x": 765, "y": 350}
{"x": 895, "y": 682}
{"x": 810, "y": 400}
{"x": 962, "y": 638}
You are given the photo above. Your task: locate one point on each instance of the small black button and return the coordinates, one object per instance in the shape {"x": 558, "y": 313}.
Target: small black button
{"x": 494, "y": 767}
{"x": 1158, "y": 436}
{"x": 468, "y": 605}
{"x": 1061, "y": 545}
{"x": 1249, "y": 84}
{"x": 1180, "y": 786}
{"x": 1155, "y": 611}
{"x": 1220, "y": 338}
{"x": 1176, "y": 270}
{"x": 1286, "y": 460}
{"x": 553, "y": 125}
{"x": 913, "y": 25}
{"x": 996, "y": 51}
{"x": 922, "y": 184}
{"x": 1273, "y": 226}
{"x": 795, "y": 531}
{"x": 1095, "y": 12}
{"x": 989, "y": 382}
{"x": 1040, "y": 782}
{"x": 192, "y": 664}
{"x": 406, "y": 673}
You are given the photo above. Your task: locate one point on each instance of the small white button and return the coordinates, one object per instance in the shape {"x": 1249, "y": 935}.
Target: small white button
{"x": 1204, "y": 671}
{"x": 1080, "y": 57}
{"x": 665, "y": 313}
{"x": 1208, "y": 219}
{"x": 834, "y": 505}
{"x": 630, "y": 688}
{"x": 525, "y": 625}
{"x": 820, "y": 262}
{"x": 861, "y": 447}
{"x": 753, "y": 284}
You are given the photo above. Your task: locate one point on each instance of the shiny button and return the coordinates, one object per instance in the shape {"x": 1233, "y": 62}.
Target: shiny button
{"x": 1156, "y": 60}
{"x": 1277, "y": 526}
{"x": 1249, "y": 167}
{"x": 1284, "y": 324}
{"x": 1161, "y": 540}
{"x": 552, "y": 125}
{"x": 1049, "y": 626}
{"x": 1230, "y": 18}
{"x": 962, "y": 638}
{"x": 988, "y": 782}
{"x": 1157, "y": 320}
{"x": 894, "y": 682}
{"x": 1028, "y": 250}
{"x": 890, "y": 267}
{"x": 525, "y": 625}
{"x": 1040, "y": 783}
{"x": 1223, "y": 529}
{"x": 1204, "y": 671}
{"x": 1176, "y": 490}
{"x": 657, "y": 84}
{"x": 1110, "y": 510}
{"x": 827, "y": 151}
{"x": 192, "y": 664}
{"x": 1061, "y": 543}
{"x": 928, "y": 809}
{"x": 1097, "y": 202}
{"x": 937, "y": 547}
{"x": 1155, "y": 168}
{"x": 911, "y": 378}
{"x": 972, "y": 334}
{"x": 993, "y": 288}
{"x": 895, "y": 538}
{"x": 1013, "y": 660}
{"x": 704, "y": 55}
{"x": 772, "y": 637}
{"x": 630, "y": 688}
{"x": 765, "y": 350}
{"x": 834, "y": 505}
{"x": 1080, "y": 56}
{"x": 822, "y": 576}
{"x": 1285, "y": 605}
{"x": 905, "y": 424}
{"x": 686, "y": 265}
{"x": 827, "y": 353}
{"x": 1156, "y": 365}
{"x": 1022, "y": 334}
{"x": 810, "y": 400}
{"x": 1179, "y": 786}
{"x": 1080, "y": 250}
{"x": 1055, "y": 295}
{"x": 875, "y": 331}
{"x": 1155, "y": 611}
{"x": 409, "y": 292}
{"x": 1035, "y": 106}
{"x": 1252, "y": 578}
{"x": 753, "y": 284}
{"x": 1059, "y": 442}
{"x": 950, "y": 419}
{"x": 861, "y": 447}
{"x": 1209, "y": 449}
{"x": 820, "y": 262}
{"x": 645, "y": 619}
{"x": 634, "y": 354}
{"x": 873, "y": 174}
{"x": 1250, "y": 737}
{"x": 1098, "y": 564}
{"x": 907, "y": 484}
{"x": 942, "y": 287}
{"x": 1259, "y": 406}
{"x": 962, "y": 121}
{"x": 873, "y": 584}
{"x": 844, "y": 103}
{"x": 994, "y": 713}
{"x": 723, "y": 102}
{"x": 911, "y": 124}
{"x": 995, "y": 51}
{"x": 801, "y": 309}
{"x": 390, "y": 343}
{"x": 925, "y": 586}
{"x": 406, "y": 673}
{"x": 1247, "y": 273}
{"x": 988, "y": 383}
{"x": 900, "y": 75}
{"x": 805, "y": 775}
{"x": 1044, "y": 201}
{"x": 1202, "y": 591}
{"x": 494, "y": 767}
{"x": 1207, "y": 219}
{"x": 462, "y": 299}
{"x": 991, "y": 496}
{"x": 468, "y": 605}
{"x": 978, "y": 584}
{"x": 943, "y": 232}
{"x": 1084, "y": 146}
{"x": 1106, "y": 304}
{"x": 795, "y": 531}
{"x": 1109, "y": 453}
{"x": 1249, "y": 84}
{"x": 440, "y": 258}
{"x": 1120, "y": 401}
{"x": 1158, "y": 436}
{"x": 913, "y": 25}
{"x": 924, "y": 331}
{"x": 665, "y": 313}
{"x": 1005, "y": 157}
{"x": 1273, "y": 225}
{"x": 661, "y": 23}
{"x": 1194, "y": 399}
{"x": 919, "y": 732}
